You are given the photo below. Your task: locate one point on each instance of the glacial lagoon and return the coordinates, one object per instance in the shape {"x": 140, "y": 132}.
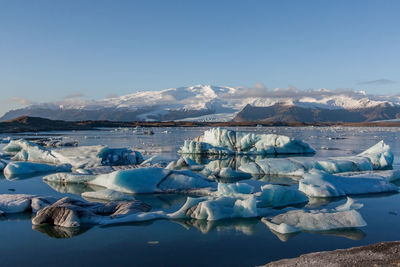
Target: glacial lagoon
{"x": 233, "y": 242}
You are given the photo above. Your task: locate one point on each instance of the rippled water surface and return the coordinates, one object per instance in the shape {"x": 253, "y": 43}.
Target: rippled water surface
{"x": 240, "y": 242}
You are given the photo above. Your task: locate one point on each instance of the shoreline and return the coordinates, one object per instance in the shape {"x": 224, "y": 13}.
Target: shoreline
{"x": 36, "y": 124}
{"x": 378, "y": 254}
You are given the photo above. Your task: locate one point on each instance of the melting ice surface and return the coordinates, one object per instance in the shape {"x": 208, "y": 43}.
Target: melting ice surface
{"x": 245, "y": 241}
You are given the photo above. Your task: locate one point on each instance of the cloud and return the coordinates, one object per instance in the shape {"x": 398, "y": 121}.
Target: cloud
{"x": 291, "y": 92}
{"x": 377, "y": 82}
{"x": 22, "y": 101}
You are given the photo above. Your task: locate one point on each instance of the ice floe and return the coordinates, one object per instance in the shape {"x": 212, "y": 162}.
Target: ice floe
{"x": 378, "y": 157}
{"x": 321, "y": 184}
{"x": 223, "y": 141}
{"x": 23, "y": 168}
{"x": 139, "y": 180}
{"x": 345, "y": 216}
{"x": 78, "y": 157}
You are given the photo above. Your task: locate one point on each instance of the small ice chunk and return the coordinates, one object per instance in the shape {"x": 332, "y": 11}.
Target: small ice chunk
{"x": 279, "y": 196}
{"x": 14, "y": 169}
{"x": 314, "y": 220}
{"x": 321, "y": 184}
{"x": 108, "y": 194}
{"x": 380, "y": 156}
{"x": 234, "y": 189}
{"x": 15, "y": 203}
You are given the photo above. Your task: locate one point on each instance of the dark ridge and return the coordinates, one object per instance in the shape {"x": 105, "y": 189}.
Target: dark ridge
{"x": 284, "y": 113}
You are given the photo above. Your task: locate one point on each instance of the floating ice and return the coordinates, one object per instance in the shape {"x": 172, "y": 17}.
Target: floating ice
{"x": 17, "y": 203}
{"x": 10, "y": 203}
{"x": 279, "y": 196}
{"x": 22, "y": 168}
{"x": 69, "y": 212}
{"x": 78, "y": 157}
{"x": 389, "y": 175}
{"x": 316, "y": 220}
{"x": 378, "y": 157}
{"x": 223, "y": 141}
{"x": 320, "y": 184}
{"x": 107, "y": 194}
{"x": 140, "y": 180}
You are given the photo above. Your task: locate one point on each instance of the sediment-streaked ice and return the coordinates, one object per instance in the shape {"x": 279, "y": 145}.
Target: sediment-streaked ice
{"x": 321, "y": 184}
{"x": 345, "y": 216}
{"x": 23, "y": 168}
{"x": 223, "y": 141}
{"x": 68, "y": 212}
{"x": 378, "y": 157}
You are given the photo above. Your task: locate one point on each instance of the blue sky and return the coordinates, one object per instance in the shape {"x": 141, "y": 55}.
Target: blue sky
{"x": 53, "y": 49}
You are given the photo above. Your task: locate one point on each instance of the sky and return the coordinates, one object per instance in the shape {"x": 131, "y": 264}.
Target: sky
{"x": 52, "y": 50}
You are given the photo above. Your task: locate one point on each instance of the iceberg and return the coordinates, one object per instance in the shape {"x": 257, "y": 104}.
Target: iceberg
{"x": 78, "y": 157}
{"x": 68, "y": 212}
{"x": 219, "y": 141}
{"x": 321, "y": 184}
{"x": 279, "y": 196}
{"x": 378, "y": 157}
{"x": 22, "y": 168}
{"x": 17, "y": 203}
{"x": 139, "y": 180}
{"x": 10, "y": 203}
{"x": 108, "y": 195}
{"x": 345, "y": 216}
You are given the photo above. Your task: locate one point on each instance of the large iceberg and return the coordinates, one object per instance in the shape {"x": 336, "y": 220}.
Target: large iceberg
{"x": 78, "y": 157}
{"x": 321, "y": 184}
{"x": 345, "y": 216}
{"x": 223, "y": 141}
{"x": 139, "y": 180}
{"x": 22, "y": 168}
{"x": 378, "y": 157}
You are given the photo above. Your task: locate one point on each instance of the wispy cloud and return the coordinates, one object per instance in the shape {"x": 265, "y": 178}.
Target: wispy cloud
{"x": 377, "y": 82}
{"x": 22, "y": 101}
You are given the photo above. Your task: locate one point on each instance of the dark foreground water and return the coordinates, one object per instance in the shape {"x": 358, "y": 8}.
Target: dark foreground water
{"x": 241, "y": 242}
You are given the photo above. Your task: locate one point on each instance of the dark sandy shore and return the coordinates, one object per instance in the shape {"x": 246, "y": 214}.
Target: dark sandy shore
{"x": 380, "y": 254}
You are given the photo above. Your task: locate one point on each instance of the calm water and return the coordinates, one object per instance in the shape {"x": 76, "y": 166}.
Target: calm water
{"x": 242, "y": 242}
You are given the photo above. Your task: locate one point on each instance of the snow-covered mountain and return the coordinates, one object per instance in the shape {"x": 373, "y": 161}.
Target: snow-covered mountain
{"x": 200, "y": 102}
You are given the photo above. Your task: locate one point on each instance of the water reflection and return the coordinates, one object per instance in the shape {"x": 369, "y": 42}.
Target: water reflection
{"x": 60, "y": 232}
{"x": 72, "y": 188}
{"x": 349, "y": 233}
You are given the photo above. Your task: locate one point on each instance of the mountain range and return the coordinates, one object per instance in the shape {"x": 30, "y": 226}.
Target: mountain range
{"x": 222, "y": 103}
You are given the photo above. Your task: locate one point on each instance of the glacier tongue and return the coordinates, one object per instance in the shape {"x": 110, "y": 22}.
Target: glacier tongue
{"x": 223, "y": 141}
